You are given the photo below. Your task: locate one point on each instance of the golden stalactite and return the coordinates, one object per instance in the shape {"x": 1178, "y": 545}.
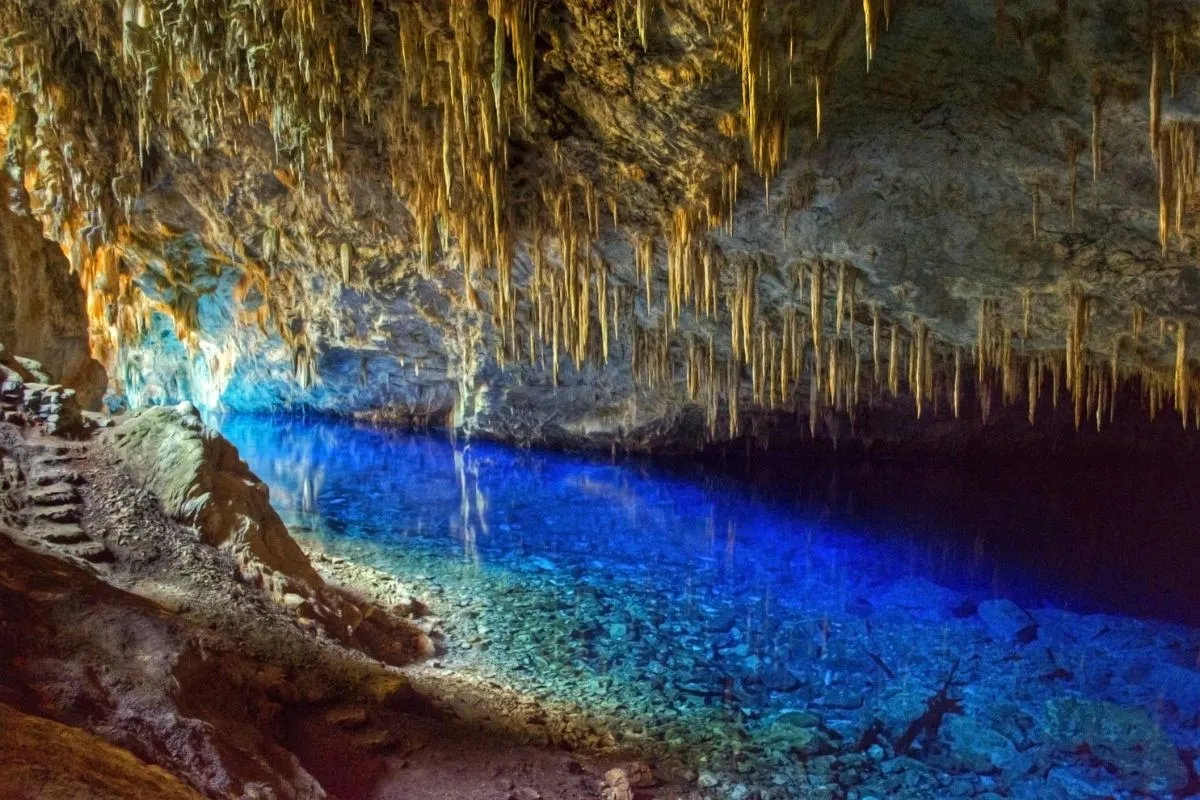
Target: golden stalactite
{"x": 875, "y": 341}
{"x": 922, "y": 367}
{"x": 762, "y": 108}
{"x": 1178, "y": 181}
{"x": 1037, "y": 209}
{"x": 1182, "y": 387}
{"x": 957, "y": 397}
{"x": 1026, "y": 313}
{"x": 840, "y": 304}
{"x": 1155, "y": 94}
{"x": 817, "y": 307}
{"x": 1074, "y": 143}
{"x": 872, "y": 30}
{"x": 1099, "y": 91}
{"x": 894, "y": 360}
{"x": 1078, "y": 309}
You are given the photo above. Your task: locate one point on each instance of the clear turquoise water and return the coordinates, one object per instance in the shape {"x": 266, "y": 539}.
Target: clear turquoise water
{"x": 701, "y": 617}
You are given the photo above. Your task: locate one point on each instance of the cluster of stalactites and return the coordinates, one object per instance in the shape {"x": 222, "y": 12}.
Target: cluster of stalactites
{"x": 446, "y": 127}
{"x": 815, "y": 346}
{"x": 1172, "y": 142}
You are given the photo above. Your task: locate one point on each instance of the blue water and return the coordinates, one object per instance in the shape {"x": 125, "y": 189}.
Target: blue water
{"x": 700, "y": 616}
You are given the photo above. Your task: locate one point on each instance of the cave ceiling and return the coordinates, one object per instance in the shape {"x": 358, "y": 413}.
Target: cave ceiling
{"x": 469, "y": 207}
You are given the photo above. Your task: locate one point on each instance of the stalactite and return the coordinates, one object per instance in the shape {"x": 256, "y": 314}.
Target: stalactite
{"x": 1098, "y": 95}
{"x": 894, "y": 361}
{"x": 841, "y": 299}
{"x": 1037, "y": 209}
{"x": 1155, "y": 96}
{"x": 875, "y": 342}
{"x": 1073, "y": 145}
{"x": 922, "y": 365}
{"x": 602, "y": 311}
{"x": 1032, "y": 390}
{"x": 957, "y": 400}
{"x": 1078, "y": 312}
{"x": 872, "y": 33}
{"x": 1182, "y": 382}
{"x": 817, "y": 309}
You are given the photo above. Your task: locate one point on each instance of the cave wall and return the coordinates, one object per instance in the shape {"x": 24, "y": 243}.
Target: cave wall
{"x": 42, "y": 305}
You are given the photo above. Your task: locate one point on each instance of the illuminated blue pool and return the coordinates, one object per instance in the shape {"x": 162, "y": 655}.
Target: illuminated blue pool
{"x": 785, "y": 651}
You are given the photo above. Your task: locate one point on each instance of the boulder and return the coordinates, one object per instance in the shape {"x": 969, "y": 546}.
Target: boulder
{"x": 921, "y": 597}
{"x": 201, "y": 481}
{"x": 1180, "y": 686}
{"x": 1007, "y": 622}
{"x": 799, "y": 739}
{"x": 976, "y": 747}
{"x": 1126, "y": 740}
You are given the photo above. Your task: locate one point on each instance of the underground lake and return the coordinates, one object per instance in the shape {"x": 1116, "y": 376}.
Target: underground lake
{"x": 806, "y": 634}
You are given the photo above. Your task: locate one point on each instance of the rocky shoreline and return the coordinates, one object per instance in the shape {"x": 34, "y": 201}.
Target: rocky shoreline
{"x": 128, "y": 634}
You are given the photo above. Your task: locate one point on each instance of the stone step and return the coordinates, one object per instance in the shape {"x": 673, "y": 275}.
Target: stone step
{"x": 59, "y": 533}
{"x": 94, "y": 552}
{"x": 55, "y": 494}
{"x": 55, "y": 475}
{"x": 73, "y": 449}
{"x": 61, "y": 513}
{"x": 50, "y": 461}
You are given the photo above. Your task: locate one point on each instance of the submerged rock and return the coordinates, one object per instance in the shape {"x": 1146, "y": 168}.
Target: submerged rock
{"x": 977, "y": 747}
{"x": 1007, "y": 622}
{"x": 921, "y": 596}
{"x": 1126, "y": 740}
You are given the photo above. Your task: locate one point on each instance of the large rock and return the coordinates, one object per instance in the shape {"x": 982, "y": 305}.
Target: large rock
{"x": 200, "y": 479}
{"x": 977, "y": 747}
{"x": 43, "y": 314}
{"x": 920, "y": 596}
{"x": 1127, "y": 740}
{"x": 1179, "y": 685}
{"x": 1007, "y": 622}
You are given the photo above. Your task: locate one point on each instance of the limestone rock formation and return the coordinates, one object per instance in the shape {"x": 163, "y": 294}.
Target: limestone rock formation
{"x": 42, "y": 313}
{"x": 200, "y": 480}
{"x": 561, "y": 219}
